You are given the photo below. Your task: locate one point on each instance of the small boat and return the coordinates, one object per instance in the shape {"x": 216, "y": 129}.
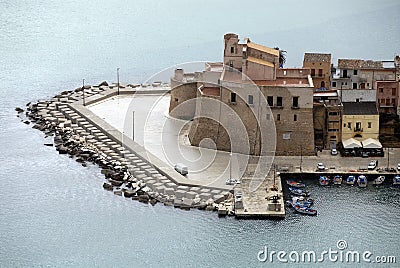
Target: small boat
{"x": 302, "y": 201}
{"x": 295, "y": 184}
{"x": 337, "y": 180}
{"x": 351, "y": 180}
{"x": 362, "y": 181}
{"x": 396, "y": 180}
{"x": 323, "y": 180}
{"x": 379, "y": 180}
{"x": 305, "y": 210}
{"x": 300, "y": 192}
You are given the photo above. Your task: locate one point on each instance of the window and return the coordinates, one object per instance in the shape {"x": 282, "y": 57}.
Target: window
{"x": 250, "y": 99}
{"x": 354, "y": 85}
{"x": 387, "y": 101}
{"x": 312, "y": 72}
{"x": 278, "y": 117}
{"x": 233, "y": 97}
{"x": 320, "y": 72}
{"x": 333, "y": 130}
{"x": 295, "y": 117}
{"x": 369, "y": 124}
{"x": 382, "y": 101}
{"x": 344, "y": 125}
{"x": 295, "y": 102}
{"x": 393, "y": 100}
{"x": 380, "y": 90}
{"x": 334, "y": 84}
{"x": 333, "y": 113}
{"x": 358, "y": 125}
{"x": 357, "y": 100}
{"x": 355, "y": 72}
{"x": 393, "y": 91}
{"x": 279, "y": 101}
{"x": 176, "y": 99}
{"x": 349, "y": 124}
{"x": 270, "y": 100}
{"x": 286, "y": 136}
{"x": 284, "y": 72}
{"x": 367, "y": 84}
{"x": 232, "y": 50}
{"x": 231, "y": 63}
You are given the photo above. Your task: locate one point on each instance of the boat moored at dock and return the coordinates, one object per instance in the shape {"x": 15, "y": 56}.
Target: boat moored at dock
{"x": 323, "y": 180}
{"x": 351, "y": 180}
{"x": 362, "y": 181}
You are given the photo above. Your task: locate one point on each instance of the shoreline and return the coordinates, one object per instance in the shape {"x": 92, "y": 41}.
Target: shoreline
{"x": 133, "y": 172}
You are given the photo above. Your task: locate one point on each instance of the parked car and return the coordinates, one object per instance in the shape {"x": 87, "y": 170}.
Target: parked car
{"x": 334, "y": 151}
{"x": 320, "y": 166}
{"x": 372, "y": 165}
{"x": 398, "y": 166}
{"x": 181, "y": 168}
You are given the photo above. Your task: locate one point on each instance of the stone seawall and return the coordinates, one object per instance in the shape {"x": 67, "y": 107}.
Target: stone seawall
{"x": 129, "y": 169}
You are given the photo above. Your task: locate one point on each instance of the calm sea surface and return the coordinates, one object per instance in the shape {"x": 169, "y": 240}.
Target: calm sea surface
{"x": 54, "y": 212}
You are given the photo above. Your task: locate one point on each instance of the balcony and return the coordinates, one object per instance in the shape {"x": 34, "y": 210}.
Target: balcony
{"x": 295, "y": 107}
{"x": 318, "y": 75}
{"x": 276, "y": 107}
{"x": 357, "y": 129}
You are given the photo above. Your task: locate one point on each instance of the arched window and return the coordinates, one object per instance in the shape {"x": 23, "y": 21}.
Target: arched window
{"x": 358, "y": 136}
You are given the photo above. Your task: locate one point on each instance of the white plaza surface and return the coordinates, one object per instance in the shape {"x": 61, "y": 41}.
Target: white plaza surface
{"x": 165, "y": 137}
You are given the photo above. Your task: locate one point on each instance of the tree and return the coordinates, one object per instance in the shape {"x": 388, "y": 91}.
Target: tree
{"x": 282, "y": 56}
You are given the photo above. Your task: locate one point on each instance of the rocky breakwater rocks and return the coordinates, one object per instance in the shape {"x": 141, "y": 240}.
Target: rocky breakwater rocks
{"x": 126, "y": 174}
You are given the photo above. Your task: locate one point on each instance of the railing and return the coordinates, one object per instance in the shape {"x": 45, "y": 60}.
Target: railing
{"x": 358, "y": 129}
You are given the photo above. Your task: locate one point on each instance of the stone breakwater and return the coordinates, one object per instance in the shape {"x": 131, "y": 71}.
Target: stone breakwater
{"x": 126, "y": 173}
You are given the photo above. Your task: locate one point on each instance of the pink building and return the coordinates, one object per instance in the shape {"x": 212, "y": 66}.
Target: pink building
{"x": 387, "y": 96}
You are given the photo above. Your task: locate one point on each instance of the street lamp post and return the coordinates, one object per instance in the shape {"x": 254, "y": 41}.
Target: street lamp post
{"x": 230, "y": 166}
{"x": 388, "y": 158}
{"x": 118, "y": 80}
{"x": 133, "y": 125}
{"x": 83, "y": 90}
{"x": 301, "y": 156}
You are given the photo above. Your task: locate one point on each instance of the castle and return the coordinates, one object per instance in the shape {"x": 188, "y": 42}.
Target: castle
{"x": 247, "y": 103}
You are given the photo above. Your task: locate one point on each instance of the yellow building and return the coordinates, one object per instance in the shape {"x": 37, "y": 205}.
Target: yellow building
{"x": 360, "y": 120}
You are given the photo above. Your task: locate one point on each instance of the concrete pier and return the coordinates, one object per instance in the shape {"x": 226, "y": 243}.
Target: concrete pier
{"x": 264, "y": 202}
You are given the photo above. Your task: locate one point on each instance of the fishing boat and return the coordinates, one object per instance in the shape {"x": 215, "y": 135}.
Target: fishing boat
{"x": 301, "y": 201}
{"x": 396, "y": 180}
{"x": 305, "y": 210}
{"x": 379, "y": 180}
{"x": 323, "y": 180}
{"x": 351, "y": 180}
{"x": 337, "y": 180}
{"x": 295, "y": 184}
{"x": 297, "y": 191}
{"x": 362, "y": 181}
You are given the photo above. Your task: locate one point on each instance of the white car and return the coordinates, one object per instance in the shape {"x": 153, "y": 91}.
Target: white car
{"x": 320, "y": 166}
{"x": 334, "y": 151}
{"x": 372, "y": 165}
{"x": 398, "y": 166}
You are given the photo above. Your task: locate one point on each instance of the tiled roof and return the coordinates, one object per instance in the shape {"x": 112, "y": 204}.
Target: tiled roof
{"x": 359, "y": 64}
{"x": 268, "y": 50}
{"x": 259, "y": 61}
{"x": 317, "y": 57}
{"x": 359, "y": 108}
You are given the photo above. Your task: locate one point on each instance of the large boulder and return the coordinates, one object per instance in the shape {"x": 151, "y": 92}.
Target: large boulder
{"x": 107, "y": 186}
